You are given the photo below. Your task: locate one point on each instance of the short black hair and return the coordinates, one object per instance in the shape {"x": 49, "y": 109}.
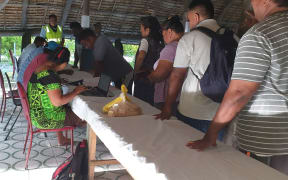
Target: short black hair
{"x": 39, "y": 39}
{"x": 52, "y": 16}
{"x": 75, "y": 25}
{"x": 173, "y": 23}
{"x": 85, "y": 34}
{"x": 205, "y": 6}
{"x": 281, "y": 3}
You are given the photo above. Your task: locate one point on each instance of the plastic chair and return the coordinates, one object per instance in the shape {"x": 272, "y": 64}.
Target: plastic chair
{"x": 5, "y": 96}
{"x": 17, "y": 102}
{"x": 14, "y": 63}
{"x": 25, "y": 105}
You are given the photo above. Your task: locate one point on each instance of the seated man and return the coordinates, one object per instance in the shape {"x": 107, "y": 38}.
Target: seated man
{"x": 106, "y": 58}
{"x": 38, "y": 42}
{"x": 23, "y": 67}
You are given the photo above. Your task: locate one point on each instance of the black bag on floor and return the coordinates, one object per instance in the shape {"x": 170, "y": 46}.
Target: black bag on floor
{"x": 75, "y": 167}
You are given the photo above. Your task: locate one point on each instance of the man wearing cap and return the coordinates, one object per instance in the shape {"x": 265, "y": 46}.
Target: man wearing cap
{"x": 34, "y": 60}
{"x": 52, "y": 31}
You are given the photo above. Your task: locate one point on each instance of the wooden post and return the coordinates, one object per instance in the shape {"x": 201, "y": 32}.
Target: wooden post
{"x": 26, "y": 39}
{"x": 85, "y": 10}
{"x": 24, "y": 13}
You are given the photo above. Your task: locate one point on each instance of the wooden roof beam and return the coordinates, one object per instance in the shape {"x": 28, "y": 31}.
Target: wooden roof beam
{"x": 225, "y": 10}
{"x": 3, "y": 4}
{"x": 119, "y": 29}
{"x": 66, "y": 12}
{"x": 45, "y": 14}
{"x": 99, "y": 6}
{"x": 4, "y": 14}
{"x": 79, "y": 10}
{"x": 108, "y": 24}
{"x": 24, "y": 13}
{"x": 186, "y": 4}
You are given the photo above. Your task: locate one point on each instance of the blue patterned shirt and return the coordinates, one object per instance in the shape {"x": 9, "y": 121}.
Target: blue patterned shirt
{"x": 25, "y": 63}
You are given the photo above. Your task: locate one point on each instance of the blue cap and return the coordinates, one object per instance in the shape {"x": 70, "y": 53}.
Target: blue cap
{"x": 52, "y": 45}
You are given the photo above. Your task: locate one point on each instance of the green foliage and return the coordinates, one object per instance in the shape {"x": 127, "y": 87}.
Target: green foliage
{"x": 130, "y": 51}
{"x": 8, "y": 43}
{"x": 70, "y": 44}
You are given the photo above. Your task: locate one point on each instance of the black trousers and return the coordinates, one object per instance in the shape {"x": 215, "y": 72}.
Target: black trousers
{"x": 144, "y": 91}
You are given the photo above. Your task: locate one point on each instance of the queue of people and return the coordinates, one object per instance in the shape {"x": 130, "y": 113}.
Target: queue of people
{"x": 257, "y": 94}
{"x": 168, "y": 68}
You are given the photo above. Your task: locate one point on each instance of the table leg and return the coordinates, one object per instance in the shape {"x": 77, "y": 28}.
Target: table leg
{"x": 92, "y": 152}
{"x": 92, "y": 162}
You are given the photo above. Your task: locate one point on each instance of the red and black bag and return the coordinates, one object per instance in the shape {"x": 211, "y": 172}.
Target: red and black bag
{"x": 74, "y": 167}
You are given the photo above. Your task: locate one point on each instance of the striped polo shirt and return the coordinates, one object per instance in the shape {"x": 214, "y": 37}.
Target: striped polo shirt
{"x": 262, "y": 57}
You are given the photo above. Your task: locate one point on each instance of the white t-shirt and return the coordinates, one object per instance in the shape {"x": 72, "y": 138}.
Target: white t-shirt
{"x": 143, "y": 45}
{"x": 193, "y": 52}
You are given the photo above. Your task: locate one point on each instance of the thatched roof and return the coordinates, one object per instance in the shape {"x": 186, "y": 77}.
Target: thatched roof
{"x": 119, "y": 18}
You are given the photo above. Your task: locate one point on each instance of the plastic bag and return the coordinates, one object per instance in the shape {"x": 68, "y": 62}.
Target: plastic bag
{"x": 122, "y": 106}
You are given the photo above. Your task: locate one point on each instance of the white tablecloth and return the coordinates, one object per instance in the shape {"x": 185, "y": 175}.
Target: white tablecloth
{"x": 155, "y": 150}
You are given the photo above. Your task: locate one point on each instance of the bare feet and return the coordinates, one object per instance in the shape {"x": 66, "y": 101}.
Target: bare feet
{"x": 64, "y": 141}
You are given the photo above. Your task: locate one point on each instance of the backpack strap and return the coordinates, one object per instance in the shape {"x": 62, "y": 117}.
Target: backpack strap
{"x": 206, "y": 31}
{"x": 209, "y": 33}
{"x": 218, "y": 30}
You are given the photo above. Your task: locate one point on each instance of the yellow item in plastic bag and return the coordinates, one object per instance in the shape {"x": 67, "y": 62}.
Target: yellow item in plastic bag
{"x": 122, "y": 106}
{"x": 123, "y": 96}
